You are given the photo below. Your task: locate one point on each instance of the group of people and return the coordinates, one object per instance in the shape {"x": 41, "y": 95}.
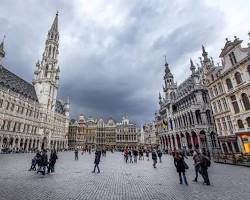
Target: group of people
{"x": 201, "y": 164}
{"x": 130, "y": 155}
{"x": 41, "y": 160}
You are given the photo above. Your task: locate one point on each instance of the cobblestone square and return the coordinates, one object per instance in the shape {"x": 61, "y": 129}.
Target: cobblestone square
{"x": 73, "y": 180}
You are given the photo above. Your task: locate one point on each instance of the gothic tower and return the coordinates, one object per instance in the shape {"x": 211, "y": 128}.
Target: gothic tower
{"x": 46, "y": 75}
{"x": 170, "y": 86}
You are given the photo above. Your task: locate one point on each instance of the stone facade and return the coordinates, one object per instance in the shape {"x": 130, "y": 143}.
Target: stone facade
{"x": 89, "y": 133}
{"x": 150, "y": 137}
{"x": 31, "y": 117}
{"x": 184, "y": 120}
{"x": 229, "y": 90}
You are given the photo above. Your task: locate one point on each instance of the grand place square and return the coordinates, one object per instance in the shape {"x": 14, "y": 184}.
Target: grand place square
{"x": 117, "y": 100}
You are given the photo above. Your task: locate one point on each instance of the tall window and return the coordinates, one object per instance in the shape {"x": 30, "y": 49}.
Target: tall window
{"x": 232, "y": 58}
{"x": 229, "y": 84}
{"x": 211, "y": 93}
{"x": 204, "y": 96}
{"x": 235, "y": 104}
{"x": 229, "y": 123}
{"x": 238, "y": 78}
{"x": 245, "y": 101}
{"x": 219, "y": 104}
{"x": 248, "y": 122}
{"x": 224, "y": 123}
{"x": 1, "y": 103}
{"x": 225, "y": 103}
{"x": 240, "y": 123}
{"x": 220, "y": 87}
{"x": 46, "y": 71}
{"x": 215, "y": 90}
{"x": 219, "y": 124}
{"x": 215, "y": 107}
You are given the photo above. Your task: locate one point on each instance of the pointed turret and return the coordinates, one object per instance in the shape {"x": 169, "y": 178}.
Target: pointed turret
{"x": 2, "y": 52}
{"x": 204, "y": 54}
{"x": 54, "y": 27}
{"x": 192, "y": 67}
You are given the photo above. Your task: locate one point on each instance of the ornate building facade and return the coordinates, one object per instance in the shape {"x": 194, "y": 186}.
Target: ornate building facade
{"x": 229, "y": 90}
{"x": 89, "y": 133}
{"x": 31, "y": 117}
{"x": 184, "y": 120}
{"x": 150, "y": 135}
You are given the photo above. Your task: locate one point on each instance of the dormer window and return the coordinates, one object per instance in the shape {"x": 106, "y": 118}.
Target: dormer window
{"x": 232, "y": 58}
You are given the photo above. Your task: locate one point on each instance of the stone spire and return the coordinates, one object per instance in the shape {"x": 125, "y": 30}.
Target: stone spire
{"x": 192, "y": 67}
{"x": 2, "y": 52}
{"x": 47, "y": 71}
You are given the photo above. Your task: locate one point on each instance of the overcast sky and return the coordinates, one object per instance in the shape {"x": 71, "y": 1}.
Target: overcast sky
{"x": 111, "y": 52}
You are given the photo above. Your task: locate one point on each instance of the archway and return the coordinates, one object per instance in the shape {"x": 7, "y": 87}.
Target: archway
{"x": 25, "y": 144}
{"x": 203, "y": 140}
{"x": 189, "y": 141}
{"x": 178, "y": 141}
{"x": 16, "y": 142}
{"x": 5, "y": 142}
{"x": 11, "y": 142}
{"x": 44, "y": 143}
{"x": 21, "y": 143}
{"x": 195, "y": 140}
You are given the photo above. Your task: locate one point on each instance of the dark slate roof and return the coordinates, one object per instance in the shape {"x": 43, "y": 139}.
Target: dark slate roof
{"x": 59, "y": 107}
{"x": 16, "y": 84}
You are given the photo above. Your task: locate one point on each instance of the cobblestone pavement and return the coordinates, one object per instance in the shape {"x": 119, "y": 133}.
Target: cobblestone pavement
{"x": 73, "y": 180}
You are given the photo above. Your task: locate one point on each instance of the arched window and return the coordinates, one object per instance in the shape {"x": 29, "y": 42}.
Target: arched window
{"x": 229, "y": 84}
{"x": 235, "y": 104}
{"x": 46, "y": 71}
{"x": 198, "y": 116}
{"x": 248, "y": 122}
{"x": 245, "y": 101}
{"x": 240, "y": 123}
{"x": 49, "y": 50}
{"x": 238, "y": 78}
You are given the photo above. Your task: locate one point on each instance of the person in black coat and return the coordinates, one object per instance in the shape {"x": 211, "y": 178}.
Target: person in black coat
{"x": 52, "y": 161}
{"x": 204, "y": 164}
{"x": 154, "y": 158}
{"x": 97, "y": 161}
{"x": 44, "y": 162}
{"x": 180, "y": 167}
{"x": 159, "y": 153}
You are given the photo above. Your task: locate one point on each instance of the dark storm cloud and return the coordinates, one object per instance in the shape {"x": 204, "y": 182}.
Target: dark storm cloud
{"x": 111, "y": 55}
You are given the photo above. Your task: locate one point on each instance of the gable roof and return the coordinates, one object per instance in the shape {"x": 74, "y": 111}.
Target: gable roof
{"x": 229, "y": 45}
{"x": 17, "y": 84}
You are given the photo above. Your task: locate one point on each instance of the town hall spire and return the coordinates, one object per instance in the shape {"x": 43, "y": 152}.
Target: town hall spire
{"x": 47, "y": 71}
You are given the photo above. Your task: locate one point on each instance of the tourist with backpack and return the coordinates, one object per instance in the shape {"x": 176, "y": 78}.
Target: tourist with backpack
{"x": 204, "y": 164}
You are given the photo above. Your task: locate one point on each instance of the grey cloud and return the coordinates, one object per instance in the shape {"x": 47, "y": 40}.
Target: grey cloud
{"x": 109, "y": 69}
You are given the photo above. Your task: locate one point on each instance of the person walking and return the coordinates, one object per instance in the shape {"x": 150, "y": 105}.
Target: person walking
{"x": 97, "y": 161}
{"x": 130, "y": 156}
{"x": 204, "y": 164}
{"x": 159, "y": 153}
{"x": 126, "y": 155}
{"x": 147, "y": 154}
{"x": 76, "y": 154}
{"x": 196, "y": 158}
{"x": 180, "y": 167}
{"x": 154, "y": 158}
{"x": 52, "y": 161}
{"x": 135, "y": 152}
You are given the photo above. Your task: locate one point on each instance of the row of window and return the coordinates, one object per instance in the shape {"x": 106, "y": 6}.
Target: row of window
{"x": 20, "y": 109}
{"x": 224, "y": 124}
{"x": 238, "y": 79}
{"x": 217, "y": 105}
{"x": 19, "y": 127}
{"x": 214, "y": 91}
{"x": 126, "y": 137}
{"x": 245, "y": 101}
